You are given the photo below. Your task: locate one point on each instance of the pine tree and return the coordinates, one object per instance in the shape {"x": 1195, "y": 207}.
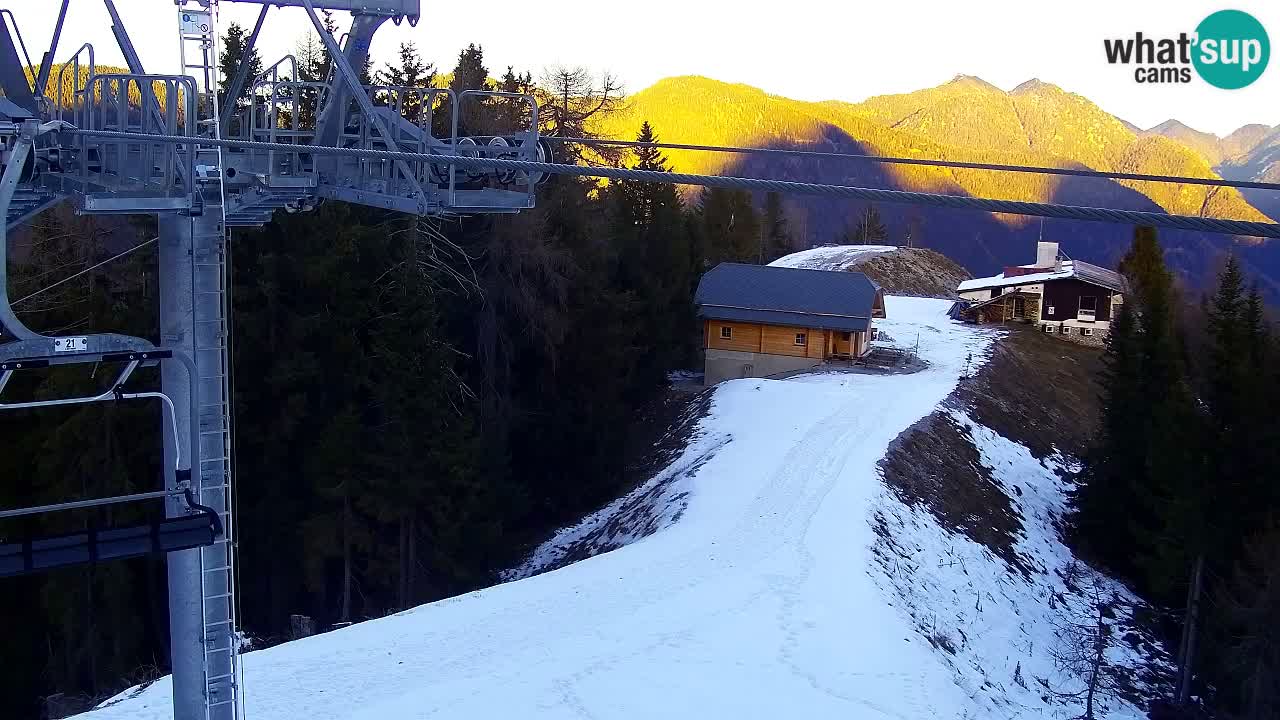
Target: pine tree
{"x": 312, "y": 57}
{"x": 869, "y": 230}
{"x": 512, "y": 114}
{"x": 410, "y": 73}
{"x": 776, "y": 238}
{"x": 1250, "y": 609}
{"x": 469, "y": 74}
{"x": 1105, "y": 489}
{"x": 649, "y": 232}
{"x": 1138, "y": 487}
{"x": 730, "y": 226}
{"x": 232, "y": 57}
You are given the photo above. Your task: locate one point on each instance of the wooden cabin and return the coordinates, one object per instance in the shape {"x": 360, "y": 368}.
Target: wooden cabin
{"x": 759, "y": 320}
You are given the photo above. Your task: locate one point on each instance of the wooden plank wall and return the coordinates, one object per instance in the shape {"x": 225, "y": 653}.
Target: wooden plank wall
{"x": 769, "y": 339}
{"x": 746, "y": 337}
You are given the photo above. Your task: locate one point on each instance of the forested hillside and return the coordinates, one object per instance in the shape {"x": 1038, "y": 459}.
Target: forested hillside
{"x": 1037, "y": 123}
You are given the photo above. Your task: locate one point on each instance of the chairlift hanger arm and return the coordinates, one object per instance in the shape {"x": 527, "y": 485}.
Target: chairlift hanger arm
{"x": 95, "y": 502}
{"x": 133, "y": 359}
{"x": 8, "y": 184}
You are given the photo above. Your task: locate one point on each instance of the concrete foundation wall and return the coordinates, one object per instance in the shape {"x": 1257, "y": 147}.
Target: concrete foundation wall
{"x": 724, "y": 365}
{"x": 1098, "y": 339}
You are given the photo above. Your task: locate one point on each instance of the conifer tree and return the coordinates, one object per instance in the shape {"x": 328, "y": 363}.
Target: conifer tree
{"x": 511, "y": 114}
{"x": 776, "y": 238}
{"x": 1132, "y": 501}
{"x": 654, "y": 260}
{"x": 730, "y": 226}
{"x": 469, "y": 74}
{"x": 1105, "y": 490}
{"x": 232, "y": 57}
{"x": 1250, "y": 623}
{"x": 410, "y": 72}
{"x": 869, "y": 230}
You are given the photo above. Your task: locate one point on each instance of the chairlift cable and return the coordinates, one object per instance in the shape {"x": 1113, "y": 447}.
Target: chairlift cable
{"x": 1012, "y": 207}
{"x": 91, "y": 268}
{"x": 997, "y": 167}
{"x": 1134, "y": 217}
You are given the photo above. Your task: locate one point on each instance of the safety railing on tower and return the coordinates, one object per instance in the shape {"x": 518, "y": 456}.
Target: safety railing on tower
{"x": 138, "y": 173}
{"x": 68, "y": 99}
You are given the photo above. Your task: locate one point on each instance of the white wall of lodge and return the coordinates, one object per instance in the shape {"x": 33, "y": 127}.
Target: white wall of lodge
{"x": 985, "y": 294}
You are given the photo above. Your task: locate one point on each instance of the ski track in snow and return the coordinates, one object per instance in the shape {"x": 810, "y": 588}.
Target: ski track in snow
{"x": 764, "y": 600}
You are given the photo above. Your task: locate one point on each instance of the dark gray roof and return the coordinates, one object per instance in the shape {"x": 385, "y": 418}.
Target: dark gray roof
{"x": 1067, "y": 269}
{"x": 826, "y": 299}
{"x": 1100, "y": 276}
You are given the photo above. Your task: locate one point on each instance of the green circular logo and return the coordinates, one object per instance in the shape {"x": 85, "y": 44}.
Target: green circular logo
{"x": 1232, "y": 49}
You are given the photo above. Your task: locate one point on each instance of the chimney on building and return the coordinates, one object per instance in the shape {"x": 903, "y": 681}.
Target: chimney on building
{"x": 1046, "y": 254}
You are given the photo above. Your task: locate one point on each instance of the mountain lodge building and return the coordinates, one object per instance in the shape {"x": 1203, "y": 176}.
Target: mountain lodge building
{"x": 1069, "y": 298}
{"x": 760, "y": 320}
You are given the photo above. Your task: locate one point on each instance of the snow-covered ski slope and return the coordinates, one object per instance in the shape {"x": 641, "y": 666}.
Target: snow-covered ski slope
{"x": 764, "y": 598}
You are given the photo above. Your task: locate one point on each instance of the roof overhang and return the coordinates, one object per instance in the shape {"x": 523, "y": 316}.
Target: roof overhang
{"x": 815, "y": 321}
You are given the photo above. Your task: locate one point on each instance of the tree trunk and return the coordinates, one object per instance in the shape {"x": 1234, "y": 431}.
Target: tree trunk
{"x": 1099, "y": 657}
{"x": 1255, "y": 691}
{"x": 404, "y": 562}
{"x": 1189, "y": 630}
{"x": 413, "y": 553}
{"x": 346, "y": 557}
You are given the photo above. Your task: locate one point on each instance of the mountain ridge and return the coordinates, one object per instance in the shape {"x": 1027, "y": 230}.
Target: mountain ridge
{"x": 1037, "y": 124}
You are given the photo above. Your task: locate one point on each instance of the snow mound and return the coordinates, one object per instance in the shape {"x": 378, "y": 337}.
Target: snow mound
{"x": 766, "y": 589}
{"x": 830, "y": 257}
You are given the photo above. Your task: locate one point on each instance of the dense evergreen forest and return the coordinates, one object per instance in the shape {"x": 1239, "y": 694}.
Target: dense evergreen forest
{"x": 1179, "y": 496}
{"x": 417, "y": 401}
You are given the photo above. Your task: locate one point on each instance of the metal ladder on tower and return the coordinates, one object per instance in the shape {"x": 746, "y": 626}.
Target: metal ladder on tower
{"x": 217, "y": 561}
{"x": 197, "y": 32}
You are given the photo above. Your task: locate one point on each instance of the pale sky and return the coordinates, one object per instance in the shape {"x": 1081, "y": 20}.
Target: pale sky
{"x": 805, "y": 49}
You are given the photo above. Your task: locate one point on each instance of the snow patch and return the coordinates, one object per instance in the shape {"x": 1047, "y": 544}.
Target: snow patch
{"x": 830, "y": 257}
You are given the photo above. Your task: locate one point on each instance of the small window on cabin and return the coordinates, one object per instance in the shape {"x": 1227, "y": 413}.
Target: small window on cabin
{"x": 1066, "y": 329}
{"x": 1048, "y": 310}
{"x": 1086, "y": 331}
{"x": 800, "y": 338}
{"x": 1088, "y": 303}
{"x": 726, "y": 332}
